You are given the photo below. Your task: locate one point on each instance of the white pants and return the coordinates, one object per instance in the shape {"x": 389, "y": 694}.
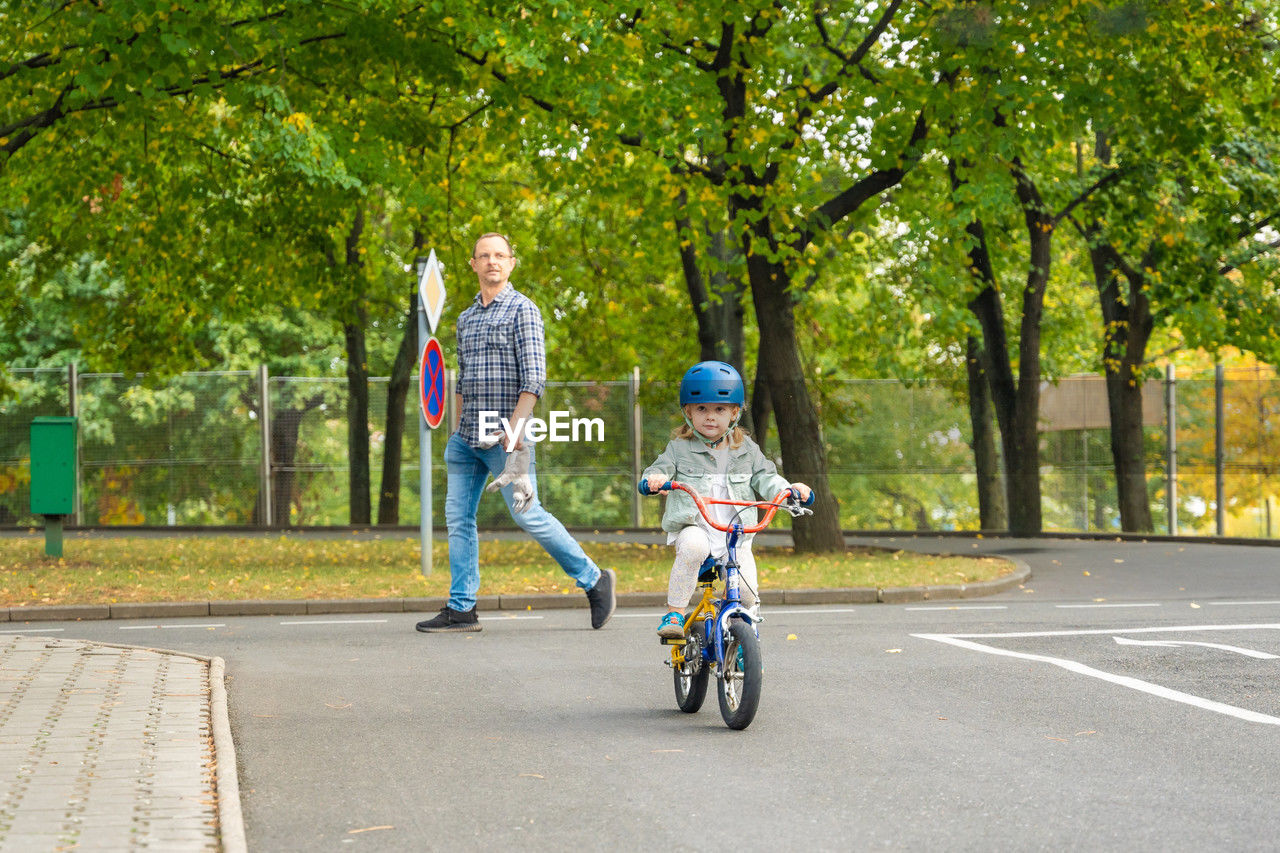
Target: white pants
{"x": 692, "y": 548}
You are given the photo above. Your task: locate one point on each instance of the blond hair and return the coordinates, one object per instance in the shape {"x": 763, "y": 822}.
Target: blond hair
{"x": 736, "y": 436}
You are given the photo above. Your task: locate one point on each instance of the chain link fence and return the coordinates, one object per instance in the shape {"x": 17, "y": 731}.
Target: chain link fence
{"x": 195, "y": 450}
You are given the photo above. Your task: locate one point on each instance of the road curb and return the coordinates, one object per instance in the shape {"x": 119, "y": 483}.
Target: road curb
{"x": 226, "y": 782}
{"x": 541, "y": 601}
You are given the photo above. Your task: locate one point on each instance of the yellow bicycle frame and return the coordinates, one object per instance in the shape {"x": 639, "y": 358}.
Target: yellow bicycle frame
{"x": 706, "y": 608}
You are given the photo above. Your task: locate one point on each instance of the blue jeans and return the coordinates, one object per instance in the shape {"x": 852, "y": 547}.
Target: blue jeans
{"x": 469, "y": 469}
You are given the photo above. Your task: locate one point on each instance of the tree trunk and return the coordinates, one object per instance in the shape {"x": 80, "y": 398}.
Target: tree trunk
{"x": 728, "y": 313}
{"x": 1124, "y": 402}
{"x": 717, "y": 309}
{"x": 761, "y": 409}
{"x": 992, "y": 514}
{"x": 1023, "y": 467}
{"x": 358, "y": 421}
{"x": 804, "y": 456}
{"x": 284, "y": 452}
{"x": 397, "y": 395}
{"x": 285, "y": 490}
{"x": 353, "y": 330}
{"x": 1017, "y": 403}
{"x": 1127, "y": 328}
{"x": 1017, "y": 400}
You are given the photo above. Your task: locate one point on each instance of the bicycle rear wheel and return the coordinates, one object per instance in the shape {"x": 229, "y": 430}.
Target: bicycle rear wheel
{"x": 690, "y": 678}
{"x": 741, "y": 676}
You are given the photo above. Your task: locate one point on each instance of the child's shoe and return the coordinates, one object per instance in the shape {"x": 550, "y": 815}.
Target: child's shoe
{"x": 672, "y": 626}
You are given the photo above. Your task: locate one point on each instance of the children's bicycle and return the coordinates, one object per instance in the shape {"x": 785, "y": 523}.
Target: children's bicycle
{"x": 721, "y": 635}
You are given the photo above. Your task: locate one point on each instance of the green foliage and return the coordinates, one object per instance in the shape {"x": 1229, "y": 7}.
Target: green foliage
{"x": 228, "y": 184}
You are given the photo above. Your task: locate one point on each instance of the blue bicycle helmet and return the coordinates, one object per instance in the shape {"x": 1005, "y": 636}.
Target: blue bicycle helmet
{"x": 712, "y": 382}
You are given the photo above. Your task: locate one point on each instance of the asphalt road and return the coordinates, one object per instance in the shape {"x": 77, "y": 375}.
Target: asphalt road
{"x": 1124, "y": 698}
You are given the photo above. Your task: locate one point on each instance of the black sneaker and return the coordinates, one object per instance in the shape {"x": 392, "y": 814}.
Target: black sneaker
{"x": 449, "y": 619}
{"x": 602, "y": 598}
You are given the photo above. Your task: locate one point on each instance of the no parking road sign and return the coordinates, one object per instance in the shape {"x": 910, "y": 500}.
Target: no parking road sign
{"x": 431, "y": 297}
{"x": 431, "y": 383}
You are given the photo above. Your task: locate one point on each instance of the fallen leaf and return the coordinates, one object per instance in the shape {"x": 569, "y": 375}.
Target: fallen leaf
{"x": 337, "y": 707}
{"x": 368, "y": 829}
{"x": 1086, "y": 574}
{"x": 791, "y": 636}
{"x": 532, "y": 776}
{"x": 1195, "y": 606}
{"x": 893, "y": 651}
{"x": 1078, "y": 734}
{"x": 1058, "y": 739}
{"x": 1118, "y": 560}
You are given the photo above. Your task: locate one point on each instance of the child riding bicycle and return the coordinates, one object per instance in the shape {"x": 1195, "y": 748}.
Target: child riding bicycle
{"x": 714, "y": 455}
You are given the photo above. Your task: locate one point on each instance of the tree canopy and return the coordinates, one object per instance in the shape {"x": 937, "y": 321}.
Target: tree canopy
{"x": 872, "y": 187}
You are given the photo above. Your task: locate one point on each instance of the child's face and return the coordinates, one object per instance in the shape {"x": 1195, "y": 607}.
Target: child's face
{"x": 711, "y": 420}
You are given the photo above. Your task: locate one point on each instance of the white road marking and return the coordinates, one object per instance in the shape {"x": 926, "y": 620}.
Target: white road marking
{"x": 802, "y": 610}
{"x": 1273, "y": 626}
{"x": 962, "y": 607}
{"x": 1124, "y": 641}
{"x": 157, "y": 627}
{"x": 1101, "y": 606}
{"x": 32, "y": 630}
{"x": 335, "y": 622}
{"x": 1122, "y": 680}
{"x": 1238, "y": 603}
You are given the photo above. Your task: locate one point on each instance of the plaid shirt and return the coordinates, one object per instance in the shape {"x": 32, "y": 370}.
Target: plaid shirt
{"x": 501, "y": 353}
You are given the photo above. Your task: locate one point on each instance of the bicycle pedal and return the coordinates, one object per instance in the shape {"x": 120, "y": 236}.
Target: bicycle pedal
{"x": 672, "y": 641}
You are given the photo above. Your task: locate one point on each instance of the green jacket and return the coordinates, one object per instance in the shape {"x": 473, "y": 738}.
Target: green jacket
{"x": 690, "y": 462}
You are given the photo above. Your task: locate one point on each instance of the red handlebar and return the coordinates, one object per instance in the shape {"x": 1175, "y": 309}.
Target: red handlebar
{"x": 702, "y": 504}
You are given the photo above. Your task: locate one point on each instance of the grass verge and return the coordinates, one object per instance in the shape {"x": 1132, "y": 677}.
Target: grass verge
{"x": 99, "y": 570}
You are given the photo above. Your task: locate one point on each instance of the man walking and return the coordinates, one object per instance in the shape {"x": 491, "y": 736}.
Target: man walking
{"x": 502, "y": 370}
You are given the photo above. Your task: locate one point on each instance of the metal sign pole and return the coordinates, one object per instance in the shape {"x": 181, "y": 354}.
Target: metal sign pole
{"x": 431, "y": 388}
{"x": 424, "y": 464}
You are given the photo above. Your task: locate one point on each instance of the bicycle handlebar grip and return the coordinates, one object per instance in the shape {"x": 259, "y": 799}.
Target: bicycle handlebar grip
{"x": 643, "y": 487}
{"x": 813, "y": 496}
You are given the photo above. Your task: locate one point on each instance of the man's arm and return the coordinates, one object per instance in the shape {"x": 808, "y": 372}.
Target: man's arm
{"x": 522, "y": 411}
{"x": 531, "y": 355}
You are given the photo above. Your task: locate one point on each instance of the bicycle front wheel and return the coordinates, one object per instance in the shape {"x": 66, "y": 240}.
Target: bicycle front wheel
{"x": 741, "y": 676}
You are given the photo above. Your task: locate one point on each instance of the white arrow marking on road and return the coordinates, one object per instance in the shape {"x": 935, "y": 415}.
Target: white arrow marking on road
{"x": 1174, "y": 643}
{"x": 1122, "y": 680}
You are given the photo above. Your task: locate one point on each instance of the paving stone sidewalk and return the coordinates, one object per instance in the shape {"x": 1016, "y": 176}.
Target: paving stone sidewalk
{"x": 106, "y": 748}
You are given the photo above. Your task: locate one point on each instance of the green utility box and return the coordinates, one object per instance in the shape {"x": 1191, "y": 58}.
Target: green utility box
{"x": 53, "y": 466}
